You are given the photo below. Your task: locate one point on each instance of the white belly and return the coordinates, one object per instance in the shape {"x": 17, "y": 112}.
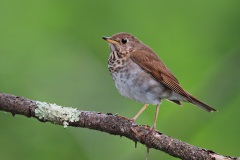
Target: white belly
{"x": 133, "y": 82}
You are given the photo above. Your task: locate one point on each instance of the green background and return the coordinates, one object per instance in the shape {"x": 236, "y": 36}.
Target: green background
{"x": 51, "y": 50}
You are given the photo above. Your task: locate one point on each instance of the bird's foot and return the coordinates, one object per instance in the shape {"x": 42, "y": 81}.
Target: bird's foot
{"x": 151, "y": 130}
{"x": 132, "y": 120}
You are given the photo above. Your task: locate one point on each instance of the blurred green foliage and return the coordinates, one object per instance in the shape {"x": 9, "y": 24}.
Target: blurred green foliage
{"x": 52, "y": 51}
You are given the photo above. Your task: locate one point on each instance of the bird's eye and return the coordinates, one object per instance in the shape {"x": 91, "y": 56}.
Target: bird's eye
{"x": 124, "y": 41}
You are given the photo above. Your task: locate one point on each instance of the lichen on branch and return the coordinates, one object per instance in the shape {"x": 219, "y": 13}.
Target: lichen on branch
{"x": 56, "y": 114}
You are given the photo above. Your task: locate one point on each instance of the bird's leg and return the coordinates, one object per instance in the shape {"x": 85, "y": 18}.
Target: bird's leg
{"x": 135, "y": 117}
{"x": 155, "y": 118}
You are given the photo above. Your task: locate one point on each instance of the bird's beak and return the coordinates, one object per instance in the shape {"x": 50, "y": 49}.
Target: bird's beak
{"x": 110, "y": 40}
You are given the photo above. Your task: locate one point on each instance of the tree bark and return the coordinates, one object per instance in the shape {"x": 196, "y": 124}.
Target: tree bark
{"x": 109, "y": 123}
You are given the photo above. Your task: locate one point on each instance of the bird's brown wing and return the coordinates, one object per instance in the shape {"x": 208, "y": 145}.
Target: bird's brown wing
{"x": 149, "y": 62}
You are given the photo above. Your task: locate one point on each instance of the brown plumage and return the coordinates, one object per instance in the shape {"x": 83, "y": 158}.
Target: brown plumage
{"x": 139, "y": 74}
{"x": 151, "y": 64}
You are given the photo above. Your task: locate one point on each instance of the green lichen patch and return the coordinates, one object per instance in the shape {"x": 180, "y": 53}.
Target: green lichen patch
{"x": 56, "y": 114}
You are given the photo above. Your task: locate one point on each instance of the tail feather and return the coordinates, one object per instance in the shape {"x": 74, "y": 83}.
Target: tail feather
{"x": 176, "y": 101}
{"x": 201, "y": 104}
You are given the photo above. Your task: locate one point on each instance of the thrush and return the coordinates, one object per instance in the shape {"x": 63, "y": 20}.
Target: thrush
{"x": 140, "y": 75}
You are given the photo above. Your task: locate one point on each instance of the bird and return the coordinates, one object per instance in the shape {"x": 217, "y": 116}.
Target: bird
{"x": 139, "y": 74}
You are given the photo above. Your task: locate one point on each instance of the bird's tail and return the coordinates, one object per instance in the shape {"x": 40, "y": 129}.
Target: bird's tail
{"x": 201, "y": 104}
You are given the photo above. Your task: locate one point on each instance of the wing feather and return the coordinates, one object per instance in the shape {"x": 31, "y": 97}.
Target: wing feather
{"x": 149, "y": 62}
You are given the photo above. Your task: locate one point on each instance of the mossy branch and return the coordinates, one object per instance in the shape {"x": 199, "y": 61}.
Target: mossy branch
{"x": 109, "y": 123}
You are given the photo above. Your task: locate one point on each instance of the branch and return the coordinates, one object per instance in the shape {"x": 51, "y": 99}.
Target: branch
{"x": 109, "y": 123}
